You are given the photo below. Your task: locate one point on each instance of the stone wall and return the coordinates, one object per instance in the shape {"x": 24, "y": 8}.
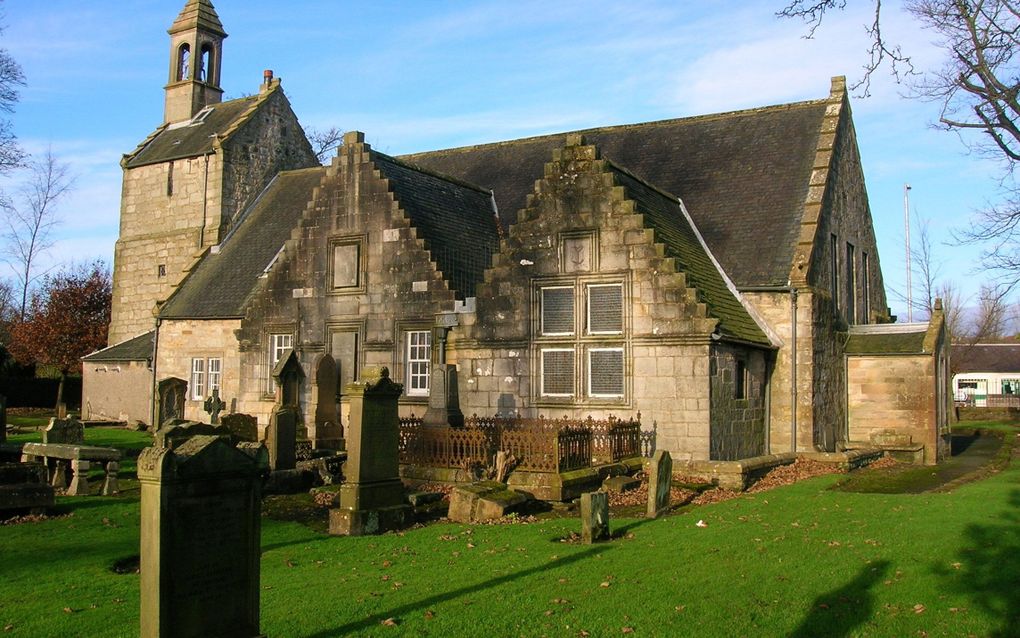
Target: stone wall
{"x": 271, "y": 141}
{"x": 897, "y": 394}
{"x": 181, "y": 340}
{"x": 738, "y": 428}
{"x": 117, "y": 391}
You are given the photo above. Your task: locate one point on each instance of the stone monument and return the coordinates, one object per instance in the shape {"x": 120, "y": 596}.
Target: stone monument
{"x": 171, "y": 393}
{"x": 281, "y": 435}
{"x": 244, "y": 427}
{"x": 69, "y": 431}
{"x": 660, "y": 478}
{"x": 444, "y": 399}
{"x": 329, "y": 432}
{"x": 213, "y": 406}
{"x": 372, "y": 499}
{"x": 200, "y": 539}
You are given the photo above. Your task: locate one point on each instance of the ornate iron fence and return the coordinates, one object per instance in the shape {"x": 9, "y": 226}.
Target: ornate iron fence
{"x": 538, "y": 444}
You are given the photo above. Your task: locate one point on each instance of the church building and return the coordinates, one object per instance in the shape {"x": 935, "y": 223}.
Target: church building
{"x": 717, "y": 275}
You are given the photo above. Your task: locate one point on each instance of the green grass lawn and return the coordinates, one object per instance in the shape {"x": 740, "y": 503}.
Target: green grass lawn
{"x": 803, "y": 560}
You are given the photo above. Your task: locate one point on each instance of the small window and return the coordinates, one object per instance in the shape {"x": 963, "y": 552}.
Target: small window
{"x": 169, "y": 179}
{"x": 605, "y": 372}
{"x": 865, "y": 288}
{"x": 851, "y": 284}
{"x": 346, "y": 265}
{"x": 558, "y": 372}
{"x": 419, "y": 355}
{"x": 198, "y": 379}
{"x": 740, "y": 380}
{"x": 1011, "y": 386}
{"x": 834, "y": 274}
{"x": 204, "y": 62}
{"x": 161, "y": 270}
{"x": 558, "y": 310}
{"x": 605, "y": 309}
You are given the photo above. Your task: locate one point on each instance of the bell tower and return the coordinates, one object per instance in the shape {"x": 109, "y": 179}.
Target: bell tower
{"x": 196, "y": 50}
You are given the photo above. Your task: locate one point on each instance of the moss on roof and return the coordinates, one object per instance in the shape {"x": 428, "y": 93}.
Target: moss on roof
{"x": 886, "y": 343}
{"x": 743, "y": 176}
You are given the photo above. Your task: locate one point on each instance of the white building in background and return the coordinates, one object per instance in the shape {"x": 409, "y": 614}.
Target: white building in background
{"x": 986, "y": 370}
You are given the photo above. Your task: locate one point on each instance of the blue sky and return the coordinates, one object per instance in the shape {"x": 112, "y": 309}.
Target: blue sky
{"x": 416, "y": 76}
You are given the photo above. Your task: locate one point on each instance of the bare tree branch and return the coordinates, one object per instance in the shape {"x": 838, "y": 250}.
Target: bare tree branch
{"x": 324, "y": 142}
{"x": 33, "y": 217}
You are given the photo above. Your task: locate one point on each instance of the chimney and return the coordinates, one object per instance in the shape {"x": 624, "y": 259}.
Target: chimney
{"x": 267, "y": 80}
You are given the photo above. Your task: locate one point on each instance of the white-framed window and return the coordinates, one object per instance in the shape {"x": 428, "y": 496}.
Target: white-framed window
{"x": 605, "y": 372}
{"x": 205, "y": 376}
{"x": 214, "y": 365}
{"x": 558, "y": 372}
{"x": 558, "y": 310}
{"x": 278, "y": 344}
{"x": 198, "y": 378}
{"x": 418, "y": 357}
{"x": 605, "y": 309}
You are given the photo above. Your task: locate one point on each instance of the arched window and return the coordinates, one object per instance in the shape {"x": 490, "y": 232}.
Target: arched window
{"x": 184, "y": 62}
{"x": 205, "y": 65}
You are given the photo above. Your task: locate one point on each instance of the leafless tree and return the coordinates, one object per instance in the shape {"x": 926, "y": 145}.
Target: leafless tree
{"x": 11, "y": 78}
{"x": 32, "y": 217}
{"x": 977, "y": 88}
{"x": 324, "y": 142}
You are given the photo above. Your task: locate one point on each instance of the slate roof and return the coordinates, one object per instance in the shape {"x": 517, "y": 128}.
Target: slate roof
{"x": 456, "y": 220}
{"x": 135, "y": 349}
{"x": 743, "y": 176}
{"x": 986, "y": 357}
{"x": 664, "y": 214}
{"x": 887, "y": 339}
{"x": 220, "y": 285}
{"x": 190, "y": 140}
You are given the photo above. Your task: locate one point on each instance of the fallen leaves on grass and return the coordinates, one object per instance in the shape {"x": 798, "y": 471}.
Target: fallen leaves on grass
{"x": 33, "y": 518}
{"x": 389, "y": 622}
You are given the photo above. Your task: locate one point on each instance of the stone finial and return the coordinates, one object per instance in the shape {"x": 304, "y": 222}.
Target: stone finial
{"x": 837, "y": 88}
{"x": 575, "y": 139}
{"x": 938, "y": 304}
{"x": 354, "y": 137}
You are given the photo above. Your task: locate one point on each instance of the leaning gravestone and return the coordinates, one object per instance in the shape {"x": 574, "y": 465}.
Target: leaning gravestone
{"x": 660, "y": 476}
{"x": 594, "y": 517}
{"x": 69, "y": 431}
{"x": 200, "y": 539}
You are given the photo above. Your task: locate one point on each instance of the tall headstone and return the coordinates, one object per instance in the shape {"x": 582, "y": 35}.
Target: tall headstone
{"x": 200, "y": 539}
{"x": 69, "y": 431}
{"x": 281, "y": 438}
{"x": 660, "y": 477}
{"x": 444, "y": 399}
{"x": 329, "y": 432}
{"x": 594, "y": 517}
{"x": 372, "y": 498}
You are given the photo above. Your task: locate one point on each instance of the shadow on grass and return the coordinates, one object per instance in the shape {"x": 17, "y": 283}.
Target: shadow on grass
{"x": 840, "y": 611}
{"x": 374, "y": 620}
{"x": 989, "y": 568}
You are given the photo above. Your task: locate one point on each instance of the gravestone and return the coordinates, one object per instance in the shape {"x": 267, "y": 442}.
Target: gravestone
{"x": 660, "y": 477}
{"x": 329, "y": 432}
{"x": 244, "y": 427}
{"x": 213, "y": 406}
{"x": 173, "y": 436}
{"x": 594, "y": 517}
{"x": 281, "y": 438}
{"x": 171, "y": 393}
{"x": 200, "y": 539}
{"x": 372, "y": 499}
{"x": 3, "y": 419}
{"x": 70, "y": 431}
{"x": 288, "y": 375}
